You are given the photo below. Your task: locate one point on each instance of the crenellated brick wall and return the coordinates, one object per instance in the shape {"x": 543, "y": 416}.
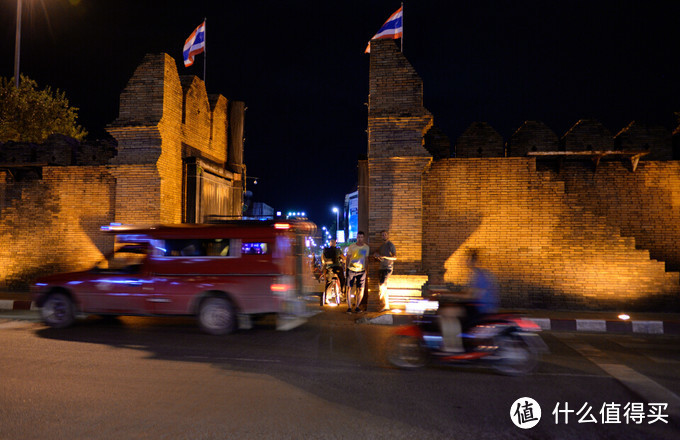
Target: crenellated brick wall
{"x": 557, "y": 233}
{"x": 532, "y": 136}
{"x": 54, "y": 197}
{"x": 587, "y": 135}
{"x": 480, "y": 140}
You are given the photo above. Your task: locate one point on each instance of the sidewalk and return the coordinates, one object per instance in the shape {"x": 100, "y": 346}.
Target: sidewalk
{"x": 549, "y": 320}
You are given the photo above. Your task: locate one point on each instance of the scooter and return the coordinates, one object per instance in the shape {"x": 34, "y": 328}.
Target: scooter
{"x": 508, "y": 343}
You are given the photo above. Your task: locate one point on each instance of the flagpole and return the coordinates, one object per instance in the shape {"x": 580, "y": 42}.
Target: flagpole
{"x": 402, "y": 27}
{"x": 205, "y": 50}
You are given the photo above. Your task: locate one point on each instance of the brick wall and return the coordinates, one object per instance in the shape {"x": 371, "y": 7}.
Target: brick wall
{"x": 182, "y": 121}
{"x": 545, "y": 250}
{"x": 52, "y": 224}
{"x": 54, "y": 201}
{"x": 397, "y": 125}
{"x": 532, "y": 136}
{"x": 480, "y": 140}
{"x": 587, "y": 135}
{"x": 562, "y": 236}
{"x": 640, "y": 137}
{"x": 644, "y": 204}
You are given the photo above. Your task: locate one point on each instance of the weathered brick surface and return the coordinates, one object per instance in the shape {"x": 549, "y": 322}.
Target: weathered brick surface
{"x": 644, "y": 204}
{"x": 50, "y": 216}
{"x": 587, "y": 135}
{"x": 640, "y": 137}
{"x": 569, "y": 236}
{"x": 53, "y": 224}
{"x": 57, "y": 150}
{"x": 397, "y": 124}
{"x": 182, "y": 121}
{"x": 545, "y": 249}
{"x": 480, "y": 140}
{"x": 437, "y": 143}
{"x": 532, "y": 136}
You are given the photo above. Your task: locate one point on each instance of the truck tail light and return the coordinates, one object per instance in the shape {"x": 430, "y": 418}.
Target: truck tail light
{"x": 281, "y": 226}
{"x": 280, "y": 287}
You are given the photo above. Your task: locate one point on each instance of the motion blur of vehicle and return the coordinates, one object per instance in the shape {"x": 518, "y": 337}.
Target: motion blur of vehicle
{"x": 223, "y": 274}
{"x": 506, "y": 342}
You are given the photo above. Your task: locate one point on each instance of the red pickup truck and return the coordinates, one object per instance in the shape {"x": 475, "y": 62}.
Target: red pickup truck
{"x": 221, "y": 273}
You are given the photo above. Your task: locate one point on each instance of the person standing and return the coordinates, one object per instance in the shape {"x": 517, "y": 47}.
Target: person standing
{"x": 387, "y": 254}
{"x": 356, "y": 272}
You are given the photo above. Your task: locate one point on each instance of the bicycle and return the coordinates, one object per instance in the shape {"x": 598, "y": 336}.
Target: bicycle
{"x": 332, "y": 294}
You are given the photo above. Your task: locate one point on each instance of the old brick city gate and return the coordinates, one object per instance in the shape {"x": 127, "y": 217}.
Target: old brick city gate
{"x": 179, "y": 157}
{"x": 588, "y": 220}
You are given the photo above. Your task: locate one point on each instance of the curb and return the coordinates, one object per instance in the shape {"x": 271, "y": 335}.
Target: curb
{"x": 605, "y": 326}
{"x": 11, "y": 304}
{"x": 562, "y": 325}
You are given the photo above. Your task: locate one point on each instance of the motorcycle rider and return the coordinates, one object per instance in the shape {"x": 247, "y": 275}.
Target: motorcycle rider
{"x": 483, "y": 291}
{"x": 333, "y": 260}
{"x": 479, "y": 299}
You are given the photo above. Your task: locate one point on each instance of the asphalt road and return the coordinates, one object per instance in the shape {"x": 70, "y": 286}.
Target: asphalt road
{"x": 163, "y": 378}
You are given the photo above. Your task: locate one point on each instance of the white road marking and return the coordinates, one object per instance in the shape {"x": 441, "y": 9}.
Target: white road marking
{"x": 572, "y": 375}
{"x": 638, "y": 383}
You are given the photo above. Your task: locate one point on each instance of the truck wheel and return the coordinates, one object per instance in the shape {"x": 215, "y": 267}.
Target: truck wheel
{"x": 58, "y": 311}
{"x": 216, "y": 316}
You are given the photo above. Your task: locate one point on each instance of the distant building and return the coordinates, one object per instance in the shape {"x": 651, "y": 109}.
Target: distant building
{"x": 351, "y": 214}
{"x": 259, "y": 211}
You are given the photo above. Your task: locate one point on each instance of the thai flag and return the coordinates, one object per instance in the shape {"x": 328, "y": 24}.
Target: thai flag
{"x": 194, "y": 45}
{"x": 393, "y": 28}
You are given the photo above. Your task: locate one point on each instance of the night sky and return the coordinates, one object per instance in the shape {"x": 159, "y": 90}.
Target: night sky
{"x": 300, "y": 68}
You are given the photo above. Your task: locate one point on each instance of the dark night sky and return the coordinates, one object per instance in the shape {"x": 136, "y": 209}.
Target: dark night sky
{"x": 300, "y": 68}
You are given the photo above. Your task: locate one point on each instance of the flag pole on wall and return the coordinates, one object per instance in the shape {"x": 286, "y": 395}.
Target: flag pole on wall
{"x": 194, "y": 45}
{"x": 393, "y": 28}
{"x": 205, "y": 50}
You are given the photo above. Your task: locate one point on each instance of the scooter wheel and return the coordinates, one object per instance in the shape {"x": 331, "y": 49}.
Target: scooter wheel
{"x": 405, "y": 352}
{"x": 516, "y": 357}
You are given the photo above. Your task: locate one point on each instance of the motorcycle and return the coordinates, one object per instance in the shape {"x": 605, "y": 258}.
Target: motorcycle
{"x": 506, "y": 342}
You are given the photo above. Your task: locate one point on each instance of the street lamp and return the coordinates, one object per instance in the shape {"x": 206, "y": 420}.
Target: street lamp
{"x": 17, "y": 45}
{"x": 337, "y": 221}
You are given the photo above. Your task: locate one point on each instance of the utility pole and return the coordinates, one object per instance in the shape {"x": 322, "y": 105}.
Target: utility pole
{"x": 17, "y": 45}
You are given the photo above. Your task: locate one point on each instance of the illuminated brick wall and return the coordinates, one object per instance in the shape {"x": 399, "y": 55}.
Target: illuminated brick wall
{"x": 644, "y": 204}
{"x": 51, "y": 211}
{"x": 563, "y": 235}
{"x": 52, "y": 224}
{"x": 163, "y": 119}
{"x": 545, "y": 248}
{"x": 397, "y": 124}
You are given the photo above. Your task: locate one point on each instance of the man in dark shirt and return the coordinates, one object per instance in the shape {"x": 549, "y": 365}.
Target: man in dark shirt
{"x": 387, "y": 254}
